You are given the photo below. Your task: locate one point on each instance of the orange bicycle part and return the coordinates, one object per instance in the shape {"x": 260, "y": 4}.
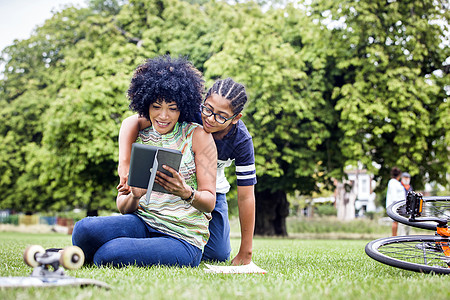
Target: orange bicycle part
{"x": 444, "y": 232}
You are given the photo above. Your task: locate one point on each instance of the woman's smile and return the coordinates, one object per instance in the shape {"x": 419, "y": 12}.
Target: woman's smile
{"x": 162, "y": 124}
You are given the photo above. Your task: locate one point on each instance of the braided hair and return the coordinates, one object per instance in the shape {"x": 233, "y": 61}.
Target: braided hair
{"x": 167, "y": 79}
{"x": 230, "y": 90}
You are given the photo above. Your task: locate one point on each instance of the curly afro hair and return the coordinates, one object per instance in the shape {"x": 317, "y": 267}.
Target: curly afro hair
{"x": 168, "y": 79}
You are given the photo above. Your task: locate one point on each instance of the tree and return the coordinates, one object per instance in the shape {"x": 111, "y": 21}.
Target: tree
{"x": 288, "y": 113}
{"x": 393, "y": 99}
{"x": 330, "y": 84}
{"x": 64, "y": 95}
{"x": 26, "y": 91}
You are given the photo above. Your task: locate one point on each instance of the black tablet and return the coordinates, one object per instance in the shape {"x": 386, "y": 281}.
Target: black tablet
{"x": 144, "y": 159}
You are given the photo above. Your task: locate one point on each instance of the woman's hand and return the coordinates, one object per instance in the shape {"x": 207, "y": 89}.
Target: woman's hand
{"x": 175, "y": 185}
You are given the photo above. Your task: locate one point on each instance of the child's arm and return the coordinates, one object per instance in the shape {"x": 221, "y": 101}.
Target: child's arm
{"x": 246, "y": 206}
{"x": 127, "y": 136}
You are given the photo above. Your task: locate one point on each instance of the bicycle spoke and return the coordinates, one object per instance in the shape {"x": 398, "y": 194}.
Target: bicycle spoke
{"x": 417, "y": 252}
{"x": 437, "y": 209}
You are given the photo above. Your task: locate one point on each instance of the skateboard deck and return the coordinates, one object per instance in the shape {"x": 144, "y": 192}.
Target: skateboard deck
{"x": 45, "y": 281}
{"x": 48, "y": 269}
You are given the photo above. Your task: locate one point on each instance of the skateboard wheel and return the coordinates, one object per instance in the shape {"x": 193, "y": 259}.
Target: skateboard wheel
{"x": 29, "y": 256}
{"x": 72, "y": 258}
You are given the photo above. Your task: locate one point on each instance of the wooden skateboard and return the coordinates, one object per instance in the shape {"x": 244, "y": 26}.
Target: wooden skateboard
{"x": 48, "y": 269}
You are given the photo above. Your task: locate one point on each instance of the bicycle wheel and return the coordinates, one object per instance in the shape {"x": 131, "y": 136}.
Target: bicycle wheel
{"x": 418, "y": 253}
{"x": 432, "y": 207}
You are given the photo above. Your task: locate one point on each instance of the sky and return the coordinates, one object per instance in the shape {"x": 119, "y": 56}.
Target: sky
{"x": 18, "y": 18}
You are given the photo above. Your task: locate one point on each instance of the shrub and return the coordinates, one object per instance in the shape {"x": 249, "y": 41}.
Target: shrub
{"x": 326, "y": 210}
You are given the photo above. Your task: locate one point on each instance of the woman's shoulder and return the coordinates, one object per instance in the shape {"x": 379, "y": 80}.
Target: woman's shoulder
{"x": 201, "y": 139}
{"x": 189, "y": 127}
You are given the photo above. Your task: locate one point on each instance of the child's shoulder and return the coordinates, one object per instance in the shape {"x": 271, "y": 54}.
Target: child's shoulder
{"x": 242, "y": 131}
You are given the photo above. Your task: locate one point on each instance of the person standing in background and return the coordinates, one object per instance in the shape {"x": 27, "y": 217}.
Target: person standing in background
{"x": 395, "y": 192}
{"x": 406, "y": 182}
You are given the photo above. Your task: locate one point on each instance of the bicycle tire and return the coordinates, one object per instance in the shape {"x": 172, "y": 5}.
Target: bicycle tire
{"x": 438, "y": 206}
{"x": 418, "y": 253}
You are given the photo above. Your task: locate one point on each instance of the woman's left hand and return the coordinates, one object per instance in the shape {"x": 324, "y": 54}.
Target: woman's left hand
{"x": 175, "y": 185}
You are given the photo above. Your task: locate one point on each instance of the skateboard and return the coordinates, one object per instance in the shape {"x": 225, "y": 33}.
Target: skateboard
{"x": 48, "y": 269}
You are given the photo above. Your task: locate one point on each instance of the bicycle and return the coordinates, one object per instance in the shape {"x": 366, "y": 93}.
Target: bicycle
{"x": 419, "y": 253}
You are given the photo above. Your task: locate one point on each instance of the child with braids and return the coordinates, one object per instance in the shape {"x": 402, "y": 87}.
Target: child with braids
{"x": 221, "y": 112}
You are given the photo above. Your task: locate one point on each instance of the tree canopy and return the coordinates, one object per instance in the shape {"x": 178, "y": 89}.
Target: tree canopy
{"x": 330, "y": 84}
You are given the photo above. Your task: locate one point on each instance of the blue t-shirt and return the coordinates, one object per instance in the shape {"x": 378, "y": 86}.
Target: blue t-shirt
{"x": 237, "y": 145}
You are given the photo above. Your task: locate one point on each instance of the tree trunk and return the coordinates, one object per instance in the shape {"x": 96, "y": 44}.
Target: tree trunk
{"x": 345, "y": 200}
{"x": 271, "y": 212}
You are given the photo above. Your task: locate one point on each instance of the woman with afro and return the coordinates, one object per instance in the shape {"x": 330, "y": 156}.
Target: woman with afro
{"x": 170, "y": 229}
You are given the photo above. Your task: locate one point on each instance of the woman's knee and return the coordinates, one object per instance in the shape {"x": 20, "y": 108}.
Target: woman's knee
{"x": 84, "y": 230}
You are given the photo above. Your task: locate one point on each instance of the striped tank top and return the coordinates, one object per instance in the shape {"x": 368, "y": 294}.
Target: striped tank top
{"x": 168, "y": 213}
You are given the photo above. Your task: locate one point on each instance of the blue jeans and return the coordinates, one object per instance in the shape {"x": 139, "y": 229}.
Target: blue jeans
{"x": 218, "y": 247}
{"x": 127, "y": 240}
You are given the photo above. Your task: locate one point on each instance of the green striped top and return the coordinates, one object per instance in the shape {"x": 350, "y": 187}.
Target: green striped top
{"x": 168, "y": 213}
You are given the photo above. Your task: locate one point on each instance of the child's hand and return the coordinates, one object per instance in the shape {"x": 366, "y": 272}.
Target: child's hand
{"x": 123, "y": 187}
{"x": 137, "y": 192}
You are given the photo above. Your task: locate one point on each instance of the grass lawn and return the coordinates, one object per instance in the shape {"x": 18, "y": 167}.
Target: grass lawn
{"x": 297, "y": 269}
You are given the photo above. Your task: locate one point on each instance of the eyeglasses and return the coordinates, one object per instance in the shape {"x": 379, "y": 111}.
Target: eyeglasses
{"x": 219, "y": 119}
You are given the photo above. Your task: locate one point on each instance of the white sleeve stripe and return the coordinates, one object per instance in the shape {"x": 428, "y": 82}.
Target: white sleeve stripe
{"x": 243, "y": 177}
{"x": 245, "y": 168}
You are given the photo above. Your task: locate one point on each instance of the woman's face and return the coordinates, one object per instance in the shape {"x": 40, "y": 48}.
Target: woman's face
{"x": 220, "y": 106}
{"x": 164, "y": 116}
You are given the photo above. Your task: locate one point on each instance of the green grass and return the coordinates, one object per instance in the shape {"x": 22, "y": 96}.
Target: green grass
{"x": 297, "y": 269}
{"x": 333, "y": 225}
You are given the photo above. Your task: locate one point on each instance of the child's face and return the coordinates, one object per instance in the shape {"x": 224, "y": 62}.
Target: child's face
{"x": 164, "y": 116}
{"x": 220, "y": 106}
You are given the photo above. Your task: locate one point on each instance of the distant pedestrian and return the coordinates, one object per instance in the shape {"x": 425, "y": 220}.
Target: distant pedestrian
{"x": 395, "y": 192}
{"x": 406, "y": 182}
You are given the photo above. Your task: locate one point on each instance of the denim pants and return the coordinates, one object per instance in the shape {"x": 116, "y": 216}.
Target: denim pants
{"x": 127, "y": 240}
{"x": 218, "y": 247}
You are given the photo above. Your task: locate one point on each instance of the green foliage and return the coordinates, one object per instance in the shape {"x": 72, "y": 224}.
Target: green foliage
{"x": 392, "y": 92}
{"x": 287, "y": 114}
{"x": 327, "y": 224}
{"x": 326, "y": 210}
{"x": 10, "y": 219}
{"x": 369, "y": 89}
